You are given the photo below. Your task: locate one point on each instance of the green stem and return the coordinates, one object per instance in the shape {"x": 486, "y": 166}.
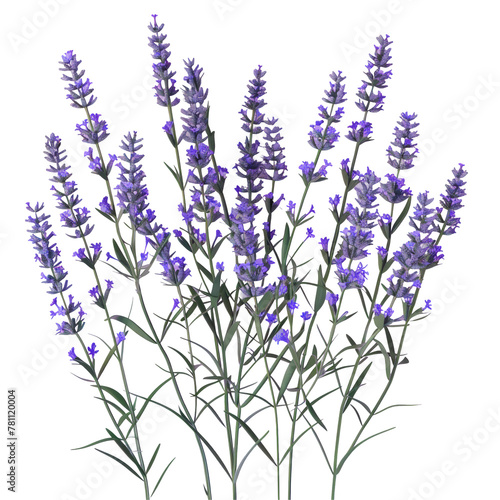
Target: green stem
{"x": 177, "y": 389}
{"x": 118, "y": 356}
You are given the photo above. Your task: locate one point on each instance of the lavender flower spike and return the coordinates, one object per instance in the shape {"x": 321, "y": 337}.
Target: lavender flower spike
{"x": 377, "y": 76}
{"x": 402, "y": 157}
{"x": 424, "y": 219}
{"x": 78, "y": 89}
{"x": 360, "y": 132}
{"x": 72, "y": 217}
{"x": 47, "y": 255}
{"x": 392, "y": 191}
{"x": 452, "y": 200}
{"x": 131, "y": 191}
{"x": 165, "y": 83}
{"x": 93, "y": 132}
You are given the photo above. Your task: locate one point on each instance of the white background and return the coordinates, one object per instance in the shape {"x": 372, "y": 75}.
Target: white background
{"x": 446, "y": 69}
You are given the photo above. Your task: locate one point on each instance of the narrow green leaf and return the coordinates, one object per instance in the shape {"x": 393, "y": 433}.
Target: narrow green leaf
{"x": 215, "y": 294}
{"x": 184, "y": 243}
{"x": 363, "y": 303}
{"x": 387, "y": 358}
{"x": 266, "y": 299}
{"x": 346, "y": 456}
{"x": 379, "y": 321}
{"x": 402, "y": 215}
{"x": 320, "y": 292}
{"x": 161, "y": 477}
{"x": 125, "y": 450}
{"x": 252, "y": 434}
{"x": 211, "y": 141}
{"x": 175, "y": 175}
{"x": 92, "y": 444}
{"x": 148, "y": 400}
{"x": 284, "y": 247}
{"x": 394, "y": 406}
{"x": 186, "y": 360}
{"x": 121, "y": 258}
{"x": 312, "y": 359}
{"x": 388, "y": 264}
{"x": 133, "y": 326}
{"x": 104, "y": 214}
{"x": 229, "y": 334}
{"x": 119, "y": 409}
{"x": 206, "y": 272}
{"x": 120, "y": 462}
{"x": 202, "y": 309}
{"x": 355, "y": 388}
{"x": 314, "y": 414}
{"x": 238, "y": 470}
{"x": 207, "y": 444}
{"x": 390, "y": 344}
{"x": 294, "y": 443}
{"x": 116, "y": 395}
{"x": 106, "y": 361}
{"x": 86, "y": 366}
{"x": 153, "y": 458}
{"x": 286, "y": 380}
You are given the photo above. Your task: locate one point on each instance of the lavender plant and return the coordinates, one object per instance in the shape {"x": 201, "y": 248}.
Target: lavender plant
{"x": 276, "y": 332}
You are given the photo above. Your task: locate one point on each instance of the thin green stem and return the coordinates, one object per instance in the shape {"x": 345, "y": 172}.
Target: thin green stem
{"x": 118, "y": 356}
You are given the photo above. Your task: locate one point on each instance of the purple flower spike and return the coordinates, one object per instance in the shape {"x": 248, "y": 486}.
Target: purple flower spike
{"x": 324, "y": 244}
{"x": 371, "y": 101}
{"x": 47, "y": 255}
{"x": 256, "y": 90}
{"x": 72, "y": 217}
{"x": 165, "y": 83}
{"x": 427, "y": 305}
{"x": 332, "y": 298}
{"x": 119, "y": 338}
{"x": 282, "y": 336}
{"x": 419, "y": 253}
{"x": 367, "y": 197}
{"x": 132, "y": 192}
{"x": 72, "y": 354}
{"x": 175, "y": 270}
{"x": 196, "y": 115}
{"x": 452, "y": 200}
{"x": 322, "y": 138}
{"x": 310, "y": 175}
{"x": 393, "y": 191}
{"x": 273, "y": 165}
{"x": 271, "y": 318}
{"x": 382, "y": 252}
{"x": 424, "y": 219}
{"x": 336, "y": 93}
{"x": 402, "y": 157}
{"x": 92, "y": 350}
{"x": 105, "y": 206}
{"x": 354, "y": 242}
{"x": 359, "y": 132}
{"x": 350, "y": 278}
{"x": 97, "y": 167}
{"x": 334, "y": 202}
{"x": 78, "y": 89}
{"x": 93, "y": 132}
{"x": 306, "y": 315}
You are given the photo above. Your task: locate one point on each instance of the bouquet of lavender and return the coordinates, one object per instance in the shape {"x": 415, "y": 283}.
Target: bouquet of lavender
{"x": 264, "y": 329}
